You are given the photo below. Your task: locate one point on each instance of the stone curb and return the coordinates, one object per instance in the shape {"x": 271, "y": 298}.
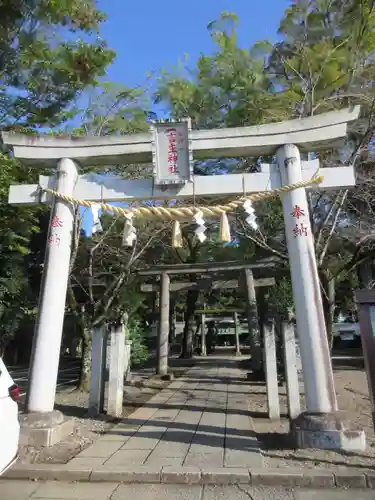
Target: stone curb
{"x": 194, "y": 475}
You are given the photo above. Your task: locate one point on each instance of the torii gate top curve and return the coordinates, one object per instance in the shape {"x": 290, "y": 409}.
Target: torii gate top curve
{"x": 286, "y": 139}
{"x": 309, "y": 134}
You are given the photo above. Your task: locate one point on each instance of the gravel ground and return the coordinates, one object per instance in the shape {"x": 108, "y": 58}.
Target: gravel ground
{"x": 74, "y": 404}
{"x": 353, "y": 399}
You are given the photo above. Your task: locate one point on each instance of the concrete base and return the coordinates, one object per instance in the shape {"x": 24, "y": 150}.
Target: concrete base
{"x": 328, "y": 431}
{"x": 44, "y": 429}
{"x": 238, "y": 354}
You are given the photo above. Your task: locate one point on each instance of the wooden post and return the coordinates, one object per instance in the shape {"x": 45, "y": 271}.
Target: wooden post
{"x": 203, "y": 336}
{"x": 253, "y": 322}
{"x": 291, "y": 372}
{"x": 271, "y": 370}
{"x": 237, "y": 333}
{"x": 163, "y": 333}
{"x": 98, "y": 366}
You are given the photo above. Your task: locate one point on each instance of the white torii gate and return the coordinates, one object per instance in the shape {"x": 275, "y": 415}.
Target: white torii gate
{"x": 318, "y": 427}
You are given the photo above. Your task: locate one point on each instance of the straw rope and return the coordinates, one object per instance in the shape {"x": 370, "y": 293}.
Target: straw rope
{"x": 174, "y": 213}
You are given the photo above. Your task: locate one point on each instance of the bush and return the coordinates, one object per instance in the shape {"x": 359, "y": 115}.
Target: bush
{"x": 139, "y": 350}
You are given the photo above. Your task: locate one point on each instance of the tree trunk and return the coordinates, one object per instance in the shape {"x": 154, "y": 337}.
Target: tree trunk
{"x": 365, "y": 273}
{"x": 84, "y": 383}
{"x": 188, "y": 334}
{"x": 3, "y": 346}
{"x": 329, "y": 304}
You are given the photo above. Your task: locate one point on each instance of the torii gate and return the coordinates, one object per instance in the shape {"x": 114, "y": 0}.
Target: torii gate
{"x": 319, "y": 426}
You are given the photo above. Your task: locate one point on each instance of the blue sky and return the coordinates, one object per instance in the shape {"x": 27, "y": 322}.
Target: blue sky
{"x": 149, "y": 36}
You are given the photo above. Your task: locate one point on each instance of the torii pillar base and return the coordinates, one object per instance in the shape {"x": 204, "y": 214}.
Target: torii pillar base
{"x": 330, "y": 431}
{"x": 44, "y": 429}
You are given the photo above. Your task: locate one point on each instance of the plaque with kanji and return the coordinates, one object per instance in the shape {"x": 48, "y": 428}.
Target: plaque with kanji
{"x": 172, "y": 154}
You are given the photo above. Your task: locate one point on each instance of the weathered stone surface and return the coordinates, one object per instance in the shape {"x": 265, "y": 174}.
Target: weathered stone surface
{"x": 157, "y": 492}
{"x": 327, "y": 431}
{"x": 44, "y": 429}
{"x": 127, "y": 458}
{"x": 24, "y": 489}
{"x": 370, "y": 479}
{"x": 82, "y": 491}
{"x": 88, "y": 462}
{"x": 239, "y": 458}
{"x": 349, "y": 479}
{"x": 49, "y": 472}
{"x": 338, "y": 494}
{"x": 225, "y": 476}
{"x": 139, "y": 474}
{"x": 101, "y": 449}
{"x": 164, "y": 461}
{"x": 180, "y": 475}
{"x": 140, "y": 443}
{"x": 290, "y": 478}
{"x": 204, "y": 460}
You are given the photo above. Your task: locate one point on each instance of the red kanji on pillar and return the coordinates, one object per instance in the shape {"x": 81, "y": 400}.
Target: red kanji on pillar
{"x": 297, "y": 212}
{"x": 300, "y": 230}
{"x": 57, "y": 222}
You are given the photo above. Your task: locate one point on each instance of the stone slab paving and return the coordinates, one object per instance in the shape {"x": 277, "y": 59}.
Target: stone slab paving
{"x": 198, "y": 432}
{"x": 200, "y": 420}
{"x": 50, "y": 490}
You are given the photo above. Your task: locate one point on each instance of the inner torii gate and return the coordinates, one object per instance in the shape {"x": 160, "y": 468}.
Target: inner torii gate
{"x": 319, "y": 426}
{"x": 164, "y": 287}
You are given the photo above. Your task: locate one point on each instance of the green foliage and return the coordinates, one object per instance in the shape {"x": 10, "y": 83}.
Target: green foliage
{"x": 280, "y": 298}
{"x": 39, "y": 78}
{"x": 139, "y": 351}
{"x": 229, "y": 88}
{"x": 323, "y": 61}
{"x": 16, "y": 228}
{"x": 42, "y": 73}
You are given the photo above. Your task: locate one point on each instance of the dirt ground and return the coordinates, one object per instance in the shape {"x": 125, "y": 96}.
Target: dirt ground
{"x": 353, "y": 399}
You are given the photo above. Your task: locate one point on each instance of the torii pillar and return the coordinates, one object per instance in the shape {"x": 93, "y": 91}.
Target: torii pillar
{"x": 162, "y": 349}
{"x": 43, "y": 425}
{"x": 320, "y": 426}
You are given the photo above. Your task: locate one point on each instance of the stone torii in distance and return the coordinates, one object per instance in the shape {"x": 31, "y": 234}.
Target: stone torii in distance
{"x": 318, "y": 426}
{"x": 165, "y": 287}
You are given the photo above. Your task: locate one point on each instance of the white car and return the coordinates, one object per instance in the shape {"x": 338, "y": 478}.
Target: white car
{"x": 9, "y": 423}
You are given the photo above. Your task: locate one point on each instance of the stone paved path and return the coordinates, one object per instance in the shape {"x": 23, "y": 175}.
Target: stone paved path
{"x": 30, "y": 490}
{"x": 200, "y": 420}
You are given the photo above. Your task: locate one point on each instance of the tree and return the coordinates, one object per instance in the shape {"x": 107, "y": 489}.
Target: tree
{"x": 40, "y": 82}
{"x": 102, "y": 287}
{"x": 39, "y": 79}
{"x": 324, "y": 61}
